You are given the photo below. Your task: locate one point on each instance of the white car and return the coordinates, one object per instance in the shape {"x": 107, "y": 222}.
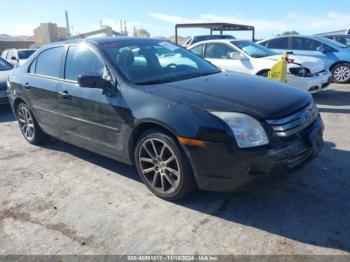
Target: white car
{"x": 245, "y": 56}
{"x": 5, "y": 69}
{"x": 17, "y": 57}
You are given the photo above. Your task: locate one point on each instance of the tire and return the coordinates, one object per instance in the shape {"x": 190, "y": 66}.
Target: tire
{"x": 341, "y": 73}
{"x": 29, "y": 126}
{"x": 163, "y": 166}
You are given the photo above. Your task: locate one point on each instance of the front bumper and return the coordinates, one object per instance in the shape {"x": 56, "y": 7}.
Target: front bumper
{"x": 311, "y": 84}
{"x": 224, "y": 168}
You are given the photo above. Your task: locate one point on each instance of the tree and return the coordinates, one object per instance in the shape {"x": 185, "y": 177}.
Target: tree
{"x": 289, "y": 33}
{"x": 141, "y": 33}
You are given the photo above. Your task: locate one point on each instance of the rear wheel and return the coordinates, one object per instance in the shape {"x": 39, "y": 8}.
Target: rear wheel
{"x": 29, "y": 126}
{"x": 163, "y": 166}
{"x": 341, "y": 73}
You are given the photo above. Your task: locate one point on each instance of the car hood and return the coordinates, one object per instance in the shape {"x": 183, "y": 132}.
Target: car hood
{"x": 315, "y": 65}
{"x": 235, "y": 92}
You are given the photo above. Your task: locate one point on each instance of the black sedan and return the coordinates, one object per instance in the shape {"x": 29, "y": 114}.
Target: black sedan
{"x": 182, "y": 122}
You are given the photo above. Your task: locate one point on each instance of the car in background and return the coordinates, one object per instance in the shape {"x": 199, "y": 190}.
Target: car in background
{"x": 245, "y": 56}
{"x": 183, "y": 125}
{"x": 336, "y": 56}
{"x": 17, "y": 57}
{"x": 343, "y": 39}
{"x": 199, "y": 38}
{"x": 5, "y": 69}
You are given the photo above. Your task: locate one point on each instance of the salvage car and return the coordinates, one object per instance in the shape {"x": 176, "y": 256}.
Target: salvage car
{"x": 335, "y": 55}
{"x": 17, "y": 57}
{"x": 5, "y": 69}
{"x": 245, "y": 56}
{"x": 183, "y": 126}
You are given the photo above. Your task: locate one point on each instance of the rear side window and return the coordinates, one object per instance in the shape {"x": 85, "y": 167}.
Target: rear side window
{"x": 278, "y": 43}
{"x": 48, "y": 62}
{"x": 198, "y": 50}
{"x": 82, "y": 61}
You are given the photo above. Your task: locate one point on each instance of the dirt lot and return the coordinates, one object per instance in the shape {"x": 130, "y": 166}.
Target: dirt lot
{"x": 60, "y": 199}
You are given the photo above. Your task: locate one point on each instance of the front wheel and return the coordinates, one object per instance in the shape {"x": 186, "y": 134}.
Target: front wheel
{"x": 29, "y": 126}
{"x": 341, "y": 73}
{"x": 163, "y": 166}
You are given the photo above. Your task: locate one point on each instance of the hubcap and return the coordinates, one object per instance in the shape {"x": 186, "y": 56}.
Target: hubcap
{"x": 342, "y": 73}
{"x": 26, "y": 123}
{"x": 159, "y": 165}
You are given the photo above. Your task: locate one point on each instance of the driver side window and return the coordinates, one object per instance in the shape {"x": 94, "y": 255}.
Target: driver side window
{"x": 218, "y": 51}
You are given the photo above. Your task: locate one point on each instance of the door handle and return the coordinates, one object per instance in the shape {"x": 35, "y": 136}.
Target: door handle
{"x": 27, "y": 86}
{"x": 65, "y": 94}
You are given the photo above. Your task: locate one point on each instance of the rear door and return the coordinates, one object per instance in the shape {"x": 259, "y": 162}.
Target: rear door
{"x": 40, "y": 88}
{"x": 227, "y": 57}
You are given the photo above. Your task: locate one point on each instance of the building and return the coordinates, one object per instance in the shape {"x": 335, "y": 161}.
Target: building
{"x": 49, "y": 32}
{"x": 18, "y": 44}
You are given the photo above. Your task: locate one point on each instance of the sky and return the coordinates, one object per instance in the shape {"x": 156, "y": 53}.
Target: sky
{"x": 270, "y": 17}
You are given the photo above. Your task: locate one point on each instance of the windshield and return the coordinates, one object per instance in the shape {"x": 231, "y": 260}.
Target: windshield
{"x": 252, "y": 49}
{"x": 25, "y": 54}
{"x": 330, "y": 42}
{"x": 5, "y": 65}
{"x": 154, "y": 61}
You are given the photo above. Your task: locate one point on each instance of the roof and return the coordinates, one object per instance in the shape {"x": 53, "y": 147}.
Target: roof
{"x": 99, "y": 40}
{"x": 217, "y": 26}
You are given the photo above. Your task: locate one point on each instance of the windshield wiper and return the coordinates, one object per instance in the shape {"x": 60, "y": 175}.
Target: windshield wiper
{"x": 153, "y": 82}
{"x": 199, "y": 74}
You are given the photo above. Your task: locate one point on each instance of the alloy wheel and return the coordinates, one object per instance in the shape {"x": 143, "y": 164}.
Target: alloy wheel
{"x": 342, "y": 73}
{"x": 26, "y": 123}
{"x": 159, "y": 166}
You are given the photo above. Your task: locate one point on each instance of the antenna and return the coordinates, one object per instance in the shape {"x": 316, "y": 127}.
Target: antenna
{"x": 67, "y": 25}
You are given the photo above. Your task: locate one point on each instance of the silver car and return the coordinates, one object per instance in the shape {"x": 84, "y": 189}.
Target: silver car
{"x": 5, "y": 68}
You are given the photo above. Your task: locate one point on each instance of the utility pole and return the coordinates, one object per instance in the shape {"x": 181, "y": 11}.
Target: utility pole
{"x": 67, "y": 25}
{"x": 125, "y": 29}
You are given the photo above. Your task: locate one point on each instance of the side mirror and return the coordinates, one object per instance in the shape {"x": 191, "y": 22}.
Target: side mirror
{"x": 13, "y": 58}
{"x": 93, "y": 81}
{"x": 235, "y": 56}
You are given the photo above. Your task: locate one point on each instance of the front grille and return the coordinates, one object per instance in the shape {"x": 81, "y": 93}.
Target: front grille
{"x": 4, "y": 100}
{"x": 290, "y": 125}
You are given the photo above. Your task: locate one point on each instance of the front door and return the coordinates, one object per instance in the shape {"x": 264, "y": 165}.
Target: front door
{"x": 80, "y": 105}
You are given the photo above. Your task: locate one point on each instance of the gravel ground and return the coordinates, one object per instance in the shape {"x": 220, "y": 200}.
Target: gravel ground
{"x": 59, "y": 199}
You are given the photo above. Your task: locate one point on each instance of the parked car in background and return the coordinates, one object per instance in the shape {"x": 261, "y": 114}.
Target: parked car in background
{"x": 245, "y": 56}
{"x": 336, "y": 56}
{"x": 5, "y": 69}
{"x": 343, "y": 39}
{"x": 199, "y": 38}
{"x": 17, "y": 57}
{"x": 181, "y": 124}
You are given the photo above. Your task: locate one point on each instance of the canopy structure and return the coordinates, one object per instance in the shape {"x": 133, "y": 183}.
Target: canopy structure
{"x": 216, "y": 27}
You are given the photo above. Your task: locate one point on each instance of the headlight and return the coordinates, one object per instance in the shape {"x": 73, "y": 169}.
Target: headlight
{"x": 246, "y": 129}
{"x": 300, "y": 71}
